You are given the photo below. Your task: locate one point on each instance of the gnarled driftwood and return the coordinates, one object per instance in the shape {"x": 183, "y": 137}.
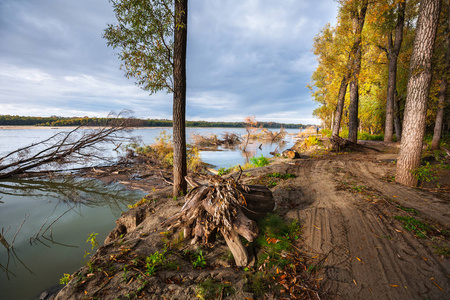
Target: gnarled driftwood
{"x": 225, "y": 205}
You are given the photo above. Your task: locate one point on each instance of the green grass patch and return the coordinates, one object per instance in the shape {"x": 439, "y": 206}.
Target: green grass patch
{"x": 417, "y": 227}
{"x": 212, "y": 289}
{"x": 409, "y": 210}
{"x": 282, "y": 176}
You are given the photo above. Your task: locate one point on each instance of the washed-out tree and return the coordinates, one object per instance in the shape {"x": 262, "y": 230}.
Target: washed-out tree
{"x": 417, "y": 92}
{"x": 151, "y": 36}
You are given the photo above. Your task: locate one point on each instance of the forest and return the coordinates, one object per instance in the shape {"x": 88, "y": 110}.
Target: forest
{"x": 370, "y": 49}
{"x": 8, "y": 120}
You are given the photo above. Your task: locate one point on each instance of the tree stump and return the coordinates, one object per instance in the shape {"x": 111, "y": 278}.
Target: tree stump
{"x": 225, "y": 205}
{"x": 291, "y": 153}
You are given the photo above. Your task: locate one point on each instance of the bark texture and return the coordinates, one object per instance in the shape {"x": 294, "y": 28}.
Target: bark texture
{"x": 417, "y": 93}
{"x": 179, "y": 98}
{"x": 393, "y": 52}
{"x": 359, "y": 16}
{"x": 442, "y": 92}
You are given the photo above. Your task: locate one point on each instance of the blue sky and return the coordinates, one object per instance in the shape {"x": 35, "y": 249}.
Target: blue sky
{"x": 245, "y": 57}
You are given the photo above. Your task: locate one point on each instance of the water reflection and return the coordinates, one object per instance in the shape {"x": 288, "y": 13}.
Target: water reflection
{"x": 50, "y": 219}
{"x": 70, "y": 190}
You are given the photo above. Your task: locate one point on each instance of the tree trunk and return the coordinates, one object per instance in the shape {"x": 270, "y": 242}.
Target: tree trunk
{"x": 179, "y": 98}
{"x": 442, "y": 92}
{"x": 340, "y": 105}
{"x": 359, "y": 16}
{"x": 417, "y": 93}
{"x": 397, "y": 119}
{"x": 394, "y": 50}
{"x": 354, "y": 100}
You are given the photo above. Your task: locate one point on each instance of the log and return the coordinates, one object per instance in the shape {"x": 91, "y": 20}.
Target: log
{"x": 259, "y": 200}
{"x": 292, "y": 154}
{"x": 339, "y": 144}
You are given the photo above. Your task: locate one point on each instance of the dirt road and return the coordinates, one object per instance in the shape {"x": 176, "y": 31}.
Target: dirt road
{"x": 348, "y": 207}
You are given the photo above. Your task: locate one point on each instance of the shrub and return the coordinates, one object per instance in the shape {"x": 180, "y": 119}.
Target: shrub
{"x": 259, "y": 161}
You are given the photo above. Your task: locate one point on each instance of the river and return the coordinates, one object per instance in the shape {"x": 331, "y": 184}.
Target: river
{"x": 49, "y": 221}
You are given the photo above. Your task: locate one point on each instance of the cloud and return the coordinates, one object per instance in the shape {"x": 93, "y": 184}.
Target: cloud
{"x": 244, "y": 58}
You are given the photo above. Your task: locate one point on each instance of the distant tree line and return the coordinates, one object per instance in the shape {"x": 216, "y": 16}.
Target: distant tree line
{"x": 86, "y": 121}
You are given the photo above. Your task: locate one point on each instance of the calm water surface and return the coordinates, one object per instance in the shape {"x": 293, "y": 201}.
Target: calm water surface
{"x": 55, "y": 217}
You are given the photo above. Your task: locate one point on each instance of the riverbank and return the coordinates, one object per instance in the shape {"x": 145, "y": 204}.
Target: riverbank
{"x": 364, "y": 234}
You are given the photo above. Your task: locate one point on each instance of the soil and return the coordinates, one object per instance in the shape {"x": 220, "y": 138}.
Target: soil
{"x": 349, "y": 207}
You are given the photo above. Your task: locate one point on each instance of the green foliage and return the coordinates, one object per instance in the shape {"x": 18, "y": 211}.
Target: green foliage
{"x": 362, "y": 135}
{"x": 425, "y": 173}
{"x": 65, "y": 279}
{"x": 419, "y": 228}
{"x": 211, "y": 289}
{"x": 144, "y": 36}
{"x": 92, "y": 238}
{"x": 224, "y": 171}
{"x": 282, "y": 176}
{"x": 409, "y": 210}
{"x": 77, "y": 121}
{"x": 199, "y": 261}
{"x": 259, "y": 161}
{"x": 154, "y": 261}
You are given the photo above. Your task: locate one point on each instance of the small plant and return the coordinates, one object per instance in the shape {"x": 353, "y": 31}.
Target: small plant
{"x": 224, "y": 171}
{"x": 139, "y": 203}
{"x": 125, "y": 273}
{"x": 153, "y": 261}
{"x": 259, "y": 161}
{"x": 282, "y": 176}
{"x": 409, "y": 210}
{"x": 424, "y": 173}
{"x": 211, "y": 289}
{"x": 419, "y": 228}
{"x": 93, "y": 240}
{"x": 65, "y": 279}
{"x": 199, "y": 261}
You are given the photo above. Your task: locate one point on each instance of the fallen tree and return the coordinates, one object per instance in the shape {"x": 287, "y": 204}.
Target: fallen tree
{"x": 226, "y": 206}
{"x": 77, "y": 146}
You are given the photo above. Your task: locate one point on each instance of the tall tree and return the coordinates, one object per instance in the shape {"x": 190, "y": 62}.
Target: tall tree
{"x": 392, "y": 53}
{"x": 357, "y": 9}
{"x": 179, "y": 98}
{"x": 417, "y": 92}
{"x": 151, "y": 37}
{"x": 444, "y": 76}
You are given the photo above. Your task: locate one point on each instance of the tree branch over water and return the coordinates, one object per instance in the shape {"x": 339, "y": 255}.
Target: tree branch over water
{"x": 78, "y": 146}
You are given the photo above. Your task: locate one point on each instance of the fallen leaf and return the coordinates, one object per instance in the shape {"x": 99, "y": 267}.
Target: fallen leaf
{"x": 316, "y": 227}
{"x": 394, "y": 285}
{"x": 354, "y": 281}
{"x": 358, "y": 258}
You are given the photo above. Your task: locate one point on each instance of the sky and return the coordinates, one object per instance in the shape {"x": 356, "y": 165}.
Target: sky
{"x": 244, "y": 58}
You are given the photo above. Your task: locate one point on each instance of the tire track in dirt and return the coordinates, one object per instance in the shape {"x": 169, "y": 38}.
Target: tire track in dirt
{"x": 368, "y": 255}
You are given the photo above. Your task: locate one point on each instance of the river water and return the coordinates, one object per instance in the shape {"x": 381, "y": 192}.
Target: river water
{"x": 49, "y": 221}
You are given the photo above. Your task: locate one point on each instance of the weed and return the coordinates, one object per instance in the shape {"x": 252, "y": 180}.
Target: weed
{"x": 93, "y": 240}
{"x": 224, "y": 171}
{"x": 211, "y": 289}
{"x": 409, "y": 210}
{"x": 125, "y": 273}
{"x": 358, "y": 188}
{"x": 442, "y": 250}
{"x": 199, "y": 261}
{"x": 424, "y": 173}
{"x": 139, "y": 203}
{"x": 153, "y": 261}
{"x": 65, "y": 279}
{"x": 282, "y": 176}
{"x": 259, "y": 161}
{"x": 419, "y": 228}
